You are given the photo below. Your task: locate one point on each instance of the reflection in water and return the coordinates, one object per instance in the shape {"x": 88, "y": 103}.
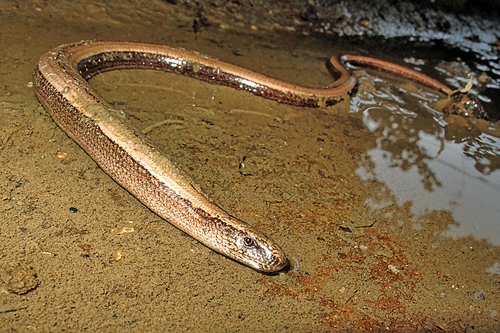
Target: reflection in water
{"x": 420, "y": 161}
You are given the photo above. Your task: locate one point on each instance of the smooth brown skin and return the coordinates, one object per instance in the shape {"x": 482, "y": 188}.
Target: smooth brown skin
{"x": 133, "y": 161}
{"x": 397, "y": 70}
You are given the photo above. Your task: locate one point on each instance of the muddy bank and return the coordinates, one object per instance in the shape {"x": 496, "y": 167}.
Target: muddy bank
{"x": 350, "y": 193}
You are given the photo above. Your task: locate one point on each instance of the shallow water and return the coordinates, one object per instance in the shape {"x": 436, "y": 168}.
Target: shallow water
{"x": 385, "y": 207}
{"x": 428, "y": 163}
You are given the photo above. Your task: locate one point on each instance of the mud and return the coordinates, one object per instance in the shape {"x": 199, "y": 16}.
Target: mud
{"x": 78, "y": 252}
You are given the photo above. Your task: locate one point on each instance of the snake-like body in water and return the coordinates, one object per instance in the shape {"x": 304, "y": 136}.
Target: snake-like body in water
{"x": 134, "y": 162}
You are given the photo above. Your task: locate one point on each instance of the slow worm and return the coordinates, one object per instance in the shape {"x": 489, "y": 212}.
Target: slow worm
{"x": 134, "y": 162}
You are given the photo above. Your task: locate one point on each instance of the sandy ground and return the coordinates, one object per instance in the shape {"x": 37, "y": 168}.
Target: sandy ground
{"x": 67, "y": 264}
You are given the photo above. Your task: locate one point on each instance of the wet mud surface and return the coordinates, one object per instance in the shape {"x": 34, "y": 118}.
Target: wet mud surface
{"x": 385, "y": 207}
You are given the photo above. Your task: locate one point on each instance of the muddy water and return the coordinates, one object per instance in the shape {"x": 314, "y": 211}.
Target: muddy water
{"x": 385, "y": 207}
{"x": 431, "y": 161}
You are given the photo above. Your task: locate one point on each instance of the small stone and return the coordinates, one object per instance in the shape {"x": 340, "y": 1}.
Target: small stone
{"x": 23, "y": 280}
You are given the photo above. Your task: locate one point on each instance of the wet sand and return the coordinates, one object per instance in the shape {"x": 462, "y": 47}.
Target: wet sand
{"x": 78, "y": 252}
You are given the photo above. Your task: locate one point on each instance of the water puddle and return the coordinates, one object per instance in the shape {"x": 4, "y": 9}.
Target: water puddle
{"x": 424, "y": 161}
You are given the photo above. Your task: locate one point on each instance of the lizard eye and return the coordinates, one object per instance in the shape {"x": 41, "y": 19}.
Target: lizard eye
{"x": 248, "y": 241}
